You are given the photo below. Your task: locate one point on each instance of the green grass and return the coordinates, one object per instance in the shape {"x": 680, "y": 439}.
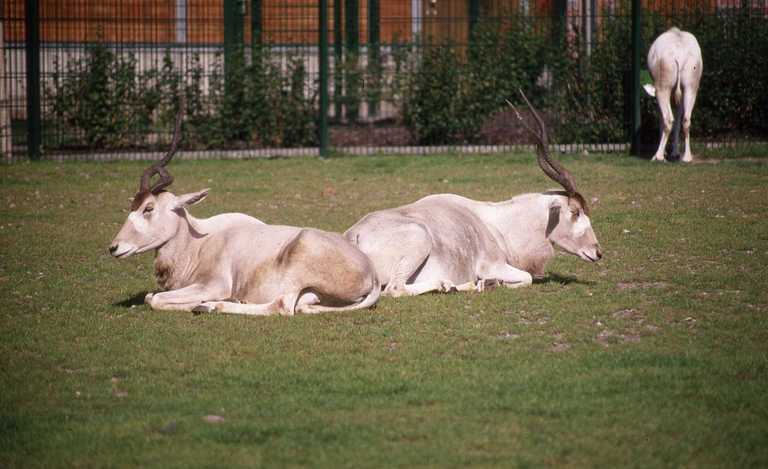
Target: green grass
{"x": 656, "y": 356}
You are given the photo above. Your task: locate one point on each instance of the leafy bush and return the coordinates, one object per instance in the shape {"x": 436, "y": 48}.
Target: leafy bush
{"x": 278, "y": 111}
{"x": 432, "y": 110}
{"x": 97, "y": 101}
{"x": 453, "y": 91}
{"x": 102, "y": 101}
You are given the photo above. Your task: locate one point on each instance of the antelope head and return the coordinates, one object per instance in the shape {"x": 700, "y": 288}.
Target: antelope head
{"x": 569, "y": 226}
{"x": 155, "y": 214}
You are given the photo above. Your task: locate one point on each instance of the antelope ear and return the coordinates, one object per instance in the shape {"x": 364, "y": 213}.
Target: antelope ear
{"x": 650, "y": 89}
{"x": 554, "y": 218}
{"x": 190, "y": 199}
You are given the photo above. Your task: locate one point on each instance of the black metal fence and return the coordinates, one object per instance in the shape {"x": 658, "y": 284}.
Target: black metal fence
{"x": 104, "y": 78}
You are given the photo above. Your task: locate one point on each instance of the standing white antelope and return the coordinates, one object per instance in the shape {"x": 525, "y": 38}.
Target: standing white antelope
{"x": 675, "y": 63}
{"x": 448, "y": 242}
{"x": 234, "y": 263}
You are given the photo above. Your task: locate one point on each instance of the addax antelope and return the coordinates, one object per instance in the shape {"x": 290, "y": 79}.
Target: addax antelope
{"x": 675, "y": 63}
{"x": 448, "y": 242}
{"x": 234, "y": 263}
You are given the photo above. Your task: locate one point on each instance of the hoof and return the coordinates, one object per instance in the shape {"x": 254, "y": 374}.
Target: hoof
{"x": 204, "y": 308}
{"x": 447, "y": 287}
{"x": 487, "y": 285}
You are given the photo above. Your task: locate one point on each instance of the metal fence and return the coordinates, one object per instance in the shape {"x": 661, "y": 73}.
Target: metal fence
{"x": 104, "y": 78}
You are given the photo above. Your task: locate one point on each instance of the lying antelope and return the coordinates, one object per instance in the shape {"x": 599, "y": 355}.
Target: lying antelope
{"x": 234, "y": 263}
{"x": 675, "y": 63}
{"x": 447, "y": 242}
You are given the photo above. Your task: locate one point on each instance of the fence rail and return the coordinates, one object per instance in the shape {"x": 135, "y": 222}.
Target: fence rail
{"x": 105, "y": 77}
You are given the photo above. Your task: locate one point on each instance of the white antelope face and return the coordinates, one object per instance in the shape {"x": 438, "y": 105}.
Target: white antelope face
{"x": 571, "y": 229}
{"x": 569, "y": 226}
{"x": 153, "y": 221}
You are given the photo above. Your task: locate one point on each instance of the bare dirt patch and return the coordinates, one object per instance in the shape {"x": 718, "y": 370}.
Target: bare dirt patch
{"x": 629, "y": 326}
{"x": 508, "y": 335}
{"x": 559, "y": 347}
{"x": 501, "y": 128}
{"x": 371, "y": 135}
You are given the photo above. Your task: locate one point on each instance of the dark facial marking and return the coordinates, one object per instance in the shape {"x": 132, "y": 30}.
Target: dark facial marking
{"x": 553, "y": 220}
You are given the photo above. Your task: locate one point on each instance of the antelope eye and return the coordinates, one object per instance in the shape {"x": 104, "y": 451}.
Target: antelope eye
{"x": 149, "y": 208}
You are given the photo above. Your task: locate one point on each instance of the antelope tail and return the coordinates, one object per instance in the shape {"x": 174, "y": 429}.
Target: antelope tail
{"x": 678, "y": 92}
{"x": 369, "y": 300}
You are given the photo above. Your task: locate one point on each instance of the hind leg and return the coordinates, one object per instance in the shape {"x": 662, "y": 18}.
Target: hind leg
{"x": 677, "y": 118}
{"x": 667, "y": 119}
{"x": 403, "y": 270}
{"x": 409, "y": 253}
{"x": 689, "y": 100}
{"x": 284, "y": 305}
{"x": 419, "y": 288}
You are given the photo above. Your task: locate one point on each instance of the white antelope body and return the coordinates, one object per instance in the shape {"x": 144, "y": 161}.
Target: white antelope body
{"x": 675, "y": 63}
{"x": 234, "y": 263}
{"x": 445, "y": 242}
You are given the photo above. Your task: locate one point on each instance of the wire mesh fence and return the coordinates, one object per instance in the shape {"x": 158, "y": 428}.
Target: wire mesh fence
{"x": 105, "y": 78}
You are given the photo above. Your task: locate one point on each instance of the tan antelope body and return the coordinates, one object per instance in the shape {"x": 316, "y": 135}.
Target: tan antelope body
{"x": 675, "y": 63}
{"x": 234, "y": 263}
{"x": 445, "y": 242}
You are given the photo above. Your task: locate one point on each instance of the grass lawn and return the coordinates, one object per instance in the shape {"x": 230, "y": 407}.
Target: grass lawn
{"x": 656, "y": 356}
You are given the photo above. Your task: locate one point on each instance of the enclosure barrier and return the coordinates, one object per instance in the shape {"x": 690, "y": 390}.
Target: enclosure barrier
{"x": 262, "y": 77}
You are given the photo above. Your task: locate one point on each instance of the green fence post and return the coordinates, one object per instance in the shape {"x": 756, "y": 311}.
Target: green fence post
{"x": 338, "y": 76}
{"x": 234, "y": 61}
{"x": 635, "y": 91}
{"x": 233, "y": 40}
{"x": 352, "y": 20}
{"x": 374, "y": 56}
{"x": 474, "y": 14}
{"x": 351, "y": 73}
{"x": 32, "y": 48}
{"x": 559, "y": 15}
{"x": 255, "y": 31}
{"x": 323, "y": 60}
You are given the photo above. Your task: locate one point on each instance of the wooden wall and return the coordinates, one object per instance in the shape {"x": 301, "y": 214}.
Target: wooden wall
{"x": 154, "y": 21}
{"x": 284, "y": 21}
{"x": 93, "y": 20}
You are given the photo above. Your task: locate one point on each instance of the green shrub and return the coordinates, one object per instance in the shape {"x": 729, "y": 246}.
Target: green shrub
{"x": 96, "y": 102}
{"x": 432, "y": 109}
{"x": 102, "y": 102}
{"x": 453, "y": 91}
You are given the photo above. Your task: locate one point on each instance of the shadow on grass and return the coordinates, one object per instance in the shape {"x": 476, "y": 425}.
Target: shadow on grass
{"x": 562, "y": 279}
{"x": 135, "y": 300}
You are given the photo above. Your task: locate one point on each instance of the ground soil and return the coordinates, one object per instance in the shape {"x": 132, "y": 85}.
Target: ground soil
{"x": 500, "y": 129}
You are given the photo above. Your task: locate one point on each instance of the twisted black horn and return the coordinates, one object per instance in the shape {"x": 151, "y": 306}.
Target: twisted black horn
{"x": 159, "y": 168}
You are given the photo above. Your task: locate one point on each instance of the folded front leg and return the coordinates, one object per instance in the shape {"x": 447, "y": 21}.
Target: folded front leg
{"x": 505, "y": 274}
{"x": 183, "y": 299}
